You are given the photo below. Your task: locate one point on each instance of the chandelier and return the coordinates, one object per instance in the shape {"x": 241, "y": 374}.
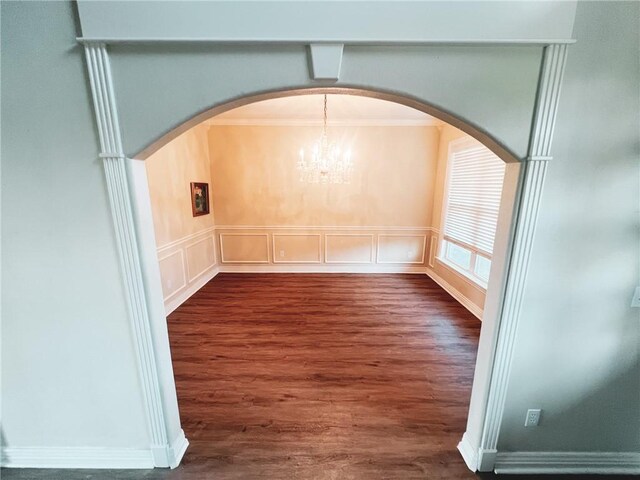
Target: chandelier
{"x": 326, "y": 162}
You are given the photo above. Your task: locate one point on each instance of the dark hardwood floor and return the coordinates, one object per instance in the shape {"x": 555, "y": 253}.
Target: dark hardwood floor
{"x": 345, "y": 377}
{"x": 324, "y": 377}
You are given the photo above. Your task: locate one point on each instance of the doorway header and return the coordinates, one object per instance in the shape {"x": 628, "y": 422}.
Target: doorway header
{"x": 321, "y": 21}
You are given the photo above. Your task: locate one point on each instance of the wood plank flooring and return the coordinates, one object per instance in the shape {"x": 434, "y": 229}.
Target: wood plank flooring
{"x": 323, "y": 377}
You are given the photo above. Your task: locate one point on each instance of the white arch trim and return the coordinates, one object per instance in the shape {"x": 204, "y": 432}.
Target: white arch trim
{"x": 479, "y": 443}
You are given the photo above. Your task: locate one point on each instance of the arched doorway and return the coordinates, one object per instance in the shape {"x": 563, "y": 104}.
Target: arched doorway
{"x": 479, "y": 445}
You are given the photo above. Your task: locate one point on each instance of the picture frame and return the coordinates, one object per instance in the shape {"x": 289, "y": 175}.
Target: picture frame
{"x": 199, "y": 198}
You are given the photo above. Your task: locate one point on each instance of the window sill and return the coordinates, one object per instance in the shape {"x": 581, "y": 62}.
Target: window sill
{"x": 475, "y": 282}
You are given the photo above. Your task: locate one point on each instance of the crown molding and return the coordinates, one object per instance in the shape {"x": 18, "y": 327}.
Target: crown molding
{"x": 312, "y": 122}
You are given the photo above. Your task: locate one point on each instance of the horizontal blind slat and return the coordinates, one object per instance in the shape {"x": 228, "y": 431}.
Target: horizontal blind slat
{"x": 473, "y": 200}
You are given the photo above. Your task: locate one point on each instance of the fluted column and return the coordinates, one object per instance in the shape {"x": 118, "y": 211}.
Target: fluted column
{"x": 114, "y": 161}
{"x": 535, "y": 167}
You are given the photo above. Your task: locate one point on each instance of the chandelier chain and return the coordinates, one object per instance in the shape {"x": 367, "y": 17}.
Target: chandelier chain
{"x": 326, "y": 162}
{"x": 324, "y": 123}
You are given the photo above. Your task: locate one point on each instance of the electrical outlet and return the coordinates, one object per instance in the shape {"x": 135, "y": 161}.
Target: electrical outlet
{"x": 533, "y": 417}
{"x": 410, "y": 254}
{"x": 635, "y": 301}
{"x": 282, "y": 253}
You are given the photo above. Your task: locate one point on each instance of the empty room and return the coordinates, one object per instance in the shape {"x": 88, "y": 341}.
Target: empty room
{"x": 311, "y": 298}
{"x": 320, "y": 240}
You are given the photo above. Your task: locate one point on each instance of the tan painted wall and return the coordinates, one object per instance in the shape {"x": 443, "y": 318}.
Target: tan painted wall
{"x": 267, "y": 219}
{"x": 255, "y": 181}
{"x": 170, "y": 171}
{"x": 186, "y": 244}
{"x": 473, "y": 294}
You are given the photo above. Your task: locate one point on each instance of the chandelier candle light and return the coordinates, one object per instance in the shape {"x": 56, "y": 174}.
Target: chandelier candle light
{"x": 326, "y": 163}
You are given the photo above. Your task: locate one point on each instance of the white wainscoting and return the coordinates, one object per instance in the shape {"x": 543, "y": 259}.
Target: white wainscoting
{"x": 186, "y": 265}
{"x": 296, "y": 247}
{"x": 357, "y": 249}
{"x": 452, "y": 281}
{"x": 244, "y": 247}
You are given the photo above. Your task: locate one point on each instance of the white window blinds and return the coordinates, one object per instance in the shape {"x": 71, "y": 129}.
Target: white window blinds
{"x": 474, "y": 187}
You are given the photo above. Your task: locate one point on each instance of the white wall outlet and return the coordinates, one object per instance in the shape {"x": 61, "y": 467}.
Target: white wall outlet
{"x": 635, "y": 301}
{"x": 533, "y": 417}
{"x": 410, "y": 254}
{"x": 282, "y": 253}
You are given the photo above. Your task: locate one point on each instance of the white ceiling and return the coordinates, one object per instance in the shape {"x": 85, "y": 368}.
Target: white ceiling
{"x": 307, "y": 110}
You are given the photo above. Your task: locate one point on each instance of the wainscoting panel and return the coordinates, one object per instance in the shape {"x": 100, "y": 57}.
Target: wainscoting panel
{"x": 348, "y": 248}
{"x": 172, "y": 272}
{"x": 401, "y": 248}
{"x": 186, "y": 265}
{"x": 200, "y": 256}
{"x": 297, "y": 248}
{"x": 433, "y": 247}
{"x": 244, "y": 247}
{"x": 357, "y": 249}
{"x": 468, "y": 293}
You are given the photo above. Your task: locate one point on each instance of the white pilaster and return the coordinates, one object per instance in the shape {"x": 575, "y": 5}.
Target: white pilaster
{"x": 535, "y": 166}
{"x": 120, "y": 201}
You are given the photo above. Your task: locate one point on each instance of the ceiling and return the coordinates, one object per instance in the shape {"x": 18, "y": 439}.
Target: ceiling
{"x": 307, "y": 110}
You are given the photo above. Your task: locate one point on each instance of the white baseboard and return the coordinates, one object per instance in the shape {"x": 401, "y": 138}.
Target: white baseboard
{"x": 75, "y": 457}
{"x": 178, "y": 449}
{"x": 469, "y": 454}
{"x": 455, "y": 293}
{"x": 175, "y": 301}
{"x": 604, "y": 463}
{"x": 321, "y": 268}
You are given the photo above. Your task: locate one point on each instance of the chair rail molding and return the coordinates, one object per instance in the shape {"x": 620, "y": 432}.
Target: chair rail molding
{"x": 534, "y": 171}
{"x": 120, "y": 201}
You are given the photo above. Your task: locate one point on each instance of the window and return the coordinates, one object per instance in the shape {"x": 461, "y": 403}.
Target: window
{"x": 472, "y": 202}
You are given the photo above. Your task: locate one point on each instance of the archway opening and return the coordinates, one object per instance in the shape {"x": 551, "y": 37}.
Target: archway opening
{"x": 264, "y": 218}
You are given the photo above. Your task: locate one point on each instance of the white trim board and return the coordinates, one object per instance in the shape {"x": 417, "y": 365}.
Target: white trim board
{"x": 455, "y": 293}
{"x": 611, "y": 463}
{"x": 531, "y": 187}
{"x": 128, "y": 242}
{"x": 76, "y": 457}
{"x": 465, "y": 277}
{"x": 178, "y": 449}
{"x": 327, "y": 228}
{"x": 175, "y": 243}
{"x": 171, "y": 303}
{"x": 321, "y": 268}
{"x": 469, "y": 455}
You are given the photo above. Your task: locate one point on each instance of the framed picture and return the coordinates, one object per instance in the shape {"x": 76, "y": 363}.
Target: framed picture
{"x": 199, "y": 198}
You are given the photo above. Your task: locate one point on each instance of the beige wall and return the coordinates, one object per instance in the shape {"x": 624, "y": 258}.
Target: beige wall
{"x": 186, "y": 244}
{"x": 268, "y": 220}
{"x": 466, "y": 291}
{"x": 386, "y": 219}
{"x": 255, "y": 181}
{"x": 170, "y": 171}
